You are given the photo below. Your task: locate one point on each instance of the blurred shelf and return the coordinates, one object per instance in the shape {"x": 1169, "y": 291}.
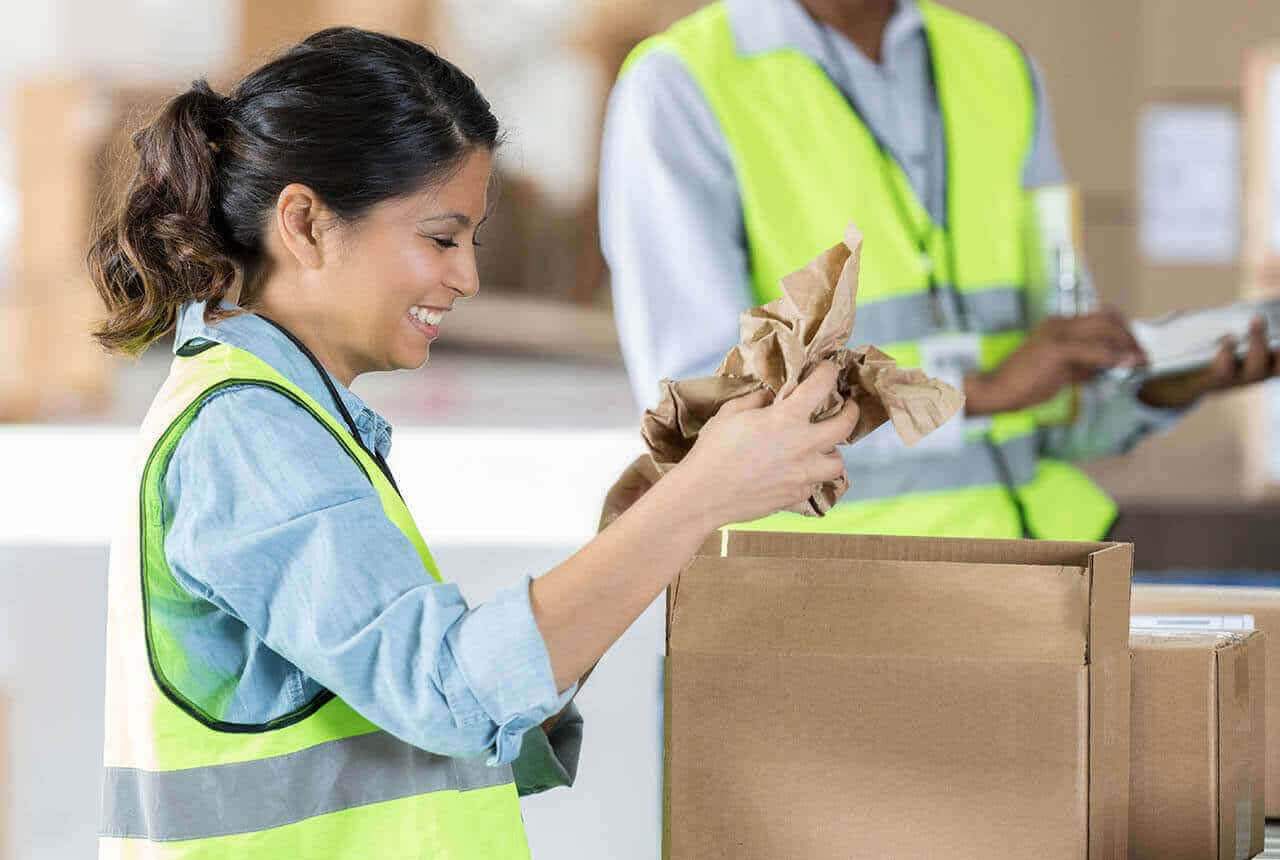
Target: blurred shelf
{"x": 521, "y": 324}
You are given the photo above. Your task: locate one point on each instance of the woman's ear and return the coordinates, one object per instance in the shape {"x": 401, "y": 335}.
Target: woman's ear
{"x": 300, "y": 218}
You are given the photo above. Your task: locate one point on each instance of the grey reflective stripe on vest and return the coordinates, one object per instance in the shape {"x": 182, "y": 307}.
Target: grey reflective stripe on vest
{"x": 220, "y": 800}
{"x": 912, "y": 317}
{"x": 973, "y": 465}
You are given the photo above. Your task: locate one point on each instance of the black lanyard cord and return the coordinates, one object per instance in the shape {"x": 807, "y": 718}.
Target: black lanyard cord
{"x": 337, "y": 399}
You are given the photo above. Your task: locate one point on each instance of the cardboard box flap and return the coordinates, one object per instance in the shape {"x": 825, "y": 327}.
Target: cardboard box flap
{"x": 891, "y": 548}
{"x": 1111, "y": 577}
{"x": 829, "y": 607}
{"x": 1111, "y": 572}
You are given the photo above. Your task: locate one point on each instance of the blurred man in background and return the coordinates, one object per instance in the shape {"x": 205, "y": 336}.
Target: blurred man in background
{"x": 740, "y": 142}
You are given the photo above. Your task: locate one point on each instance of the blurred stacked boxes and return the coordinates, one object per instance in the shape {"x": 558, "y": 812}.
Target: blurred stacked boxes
{"x": 66, "y": 134}
{"x": 1147, "y": 100}
{"x": 72, "y": 154}
{"x": 1262, "y": 249}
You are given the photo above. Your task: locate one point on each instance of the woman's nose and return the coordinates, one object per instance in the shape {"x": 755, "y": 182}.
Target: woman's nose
{"x": 464, "y": 277}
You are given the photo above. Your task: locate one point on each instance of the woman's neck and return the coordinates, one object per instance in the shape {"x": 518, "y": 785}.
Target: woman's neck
{"x": 860, "y": 21}
{"x": 313, "y": 330}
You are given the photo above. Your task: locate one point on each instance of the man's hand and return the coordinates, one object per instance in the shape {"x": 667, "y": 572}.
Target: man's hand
{"x": 1226, "y": 371}
{"x": 1061, "y": 351}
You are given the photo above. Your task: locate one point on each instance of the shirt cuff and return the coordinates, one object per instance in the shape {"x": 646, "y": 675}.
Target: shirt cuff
{"x": 1157, "y": 419}
{"x": 549, "y": 760}
{"x": 504, "y": 671}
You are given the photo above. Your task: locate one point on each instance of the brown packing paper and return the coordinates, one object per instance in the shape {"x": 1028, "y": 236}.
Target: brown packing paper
{"x": 782, "y": 342}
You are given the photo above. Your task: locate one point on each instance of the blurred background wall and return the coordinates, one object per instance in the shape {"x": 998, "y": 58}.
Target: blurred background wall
{"x": 1167, "y": 115}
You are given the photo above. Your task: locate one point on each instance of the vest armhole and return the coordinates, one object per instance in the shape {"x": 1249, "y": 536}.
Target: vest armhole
{"x": 164, "y": 448}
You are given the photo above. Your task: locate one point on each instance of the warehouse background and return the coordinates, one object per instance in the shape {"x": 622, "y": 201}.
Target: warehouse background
{"x": 1168, "y": 118}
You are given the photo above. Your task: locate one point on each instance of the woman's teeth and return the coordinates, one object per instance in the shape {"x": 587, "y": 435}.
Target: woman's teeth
{"x": 426, "y": 315}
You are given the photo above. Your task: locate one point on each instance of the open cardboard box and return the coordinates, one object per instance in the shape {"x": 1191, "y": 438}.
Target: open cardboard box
{"x": 863, "y": 696}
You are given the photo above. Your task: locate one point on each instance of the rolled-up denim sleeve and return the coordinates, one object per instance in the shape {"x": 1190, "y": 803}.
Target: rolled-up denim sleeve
{"x": 269, "y": 519}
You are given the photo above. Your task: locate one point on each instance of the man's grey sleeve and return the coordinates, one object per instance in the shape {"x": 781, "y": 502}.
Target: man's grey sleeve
{"x": 670, "y": 226}
{"x": 1109, "y": 418}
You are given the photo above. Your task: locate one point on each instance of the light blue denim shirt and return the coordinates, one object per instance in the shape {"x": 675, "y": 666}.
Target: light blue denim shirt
{"x": 307, "y": 585}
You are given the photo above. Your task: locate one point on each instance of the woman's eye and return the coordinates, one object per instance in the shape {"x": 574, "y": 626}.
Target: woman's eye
{"x": 444, "y": 243}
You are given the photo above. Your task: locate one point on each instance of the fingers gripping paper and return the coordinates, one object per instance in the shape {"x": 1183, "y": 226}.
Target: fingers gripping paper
{"x": 781, "y": 343}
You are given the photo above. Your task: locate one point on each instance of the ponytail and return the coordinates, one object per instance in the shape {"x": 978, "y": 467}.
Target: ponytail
{"x": 162, "y": 247}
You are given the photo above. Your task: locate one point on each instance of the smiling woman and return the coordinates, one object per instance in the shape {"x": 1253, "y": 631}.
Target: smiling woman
{"x": 289, "y": 675}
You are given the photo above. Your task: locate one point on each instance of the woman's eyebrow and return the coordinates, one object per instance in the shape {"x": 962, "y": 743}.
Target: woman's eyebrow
{"x": 458, "y": 217}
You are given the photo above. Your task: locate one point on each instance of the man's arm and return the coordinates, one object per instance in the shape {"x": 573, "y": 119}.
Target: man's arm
{"x": 670, "y": 226}
{"x": 1109, "y": 419}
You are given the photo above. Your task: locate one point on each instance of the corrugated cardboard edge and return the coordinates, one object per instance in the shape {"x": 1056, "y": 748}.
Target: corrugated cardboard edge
{"x": 1110, "y": 672}
{"x": 714, "y": 545}
{"x": 1235, "y": 748}
{"x": 666, "y": 752}
{"x": 1241, "y": 747}
{"x": 1258, "y": 755}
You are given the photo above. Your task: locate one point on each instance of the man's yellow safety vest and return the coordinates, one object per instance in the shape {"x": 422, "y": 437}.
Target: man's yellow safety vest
{"x": 322, "y": 782}
{"x": 807, "y": 165}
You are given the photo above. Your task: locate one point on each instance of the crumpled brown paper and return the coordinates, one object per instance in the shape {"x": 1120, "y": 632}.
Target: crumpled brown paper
{"x": 781, "y": 344}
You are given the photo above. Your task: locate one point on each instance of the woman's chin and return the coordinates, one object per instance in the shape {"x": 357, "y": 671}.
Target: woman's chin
{"x": 412, "y": 359}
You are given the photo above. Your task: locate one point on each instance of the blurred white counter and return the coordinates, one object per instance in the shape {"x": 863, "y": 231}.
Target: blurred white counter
{"x": 465, "y": 486}
{"x": 493, "y": 504}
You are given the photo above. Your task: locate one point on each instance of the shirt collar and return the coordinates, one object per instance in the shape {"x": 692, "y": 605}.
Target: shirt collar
{"x": 253, "y": 334}
{"x": 760, "y": 26}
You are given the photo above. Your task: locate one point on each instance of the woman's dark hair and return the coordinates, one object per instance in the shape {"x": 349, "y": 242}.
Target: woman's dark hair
{"x": 359, "y": 117}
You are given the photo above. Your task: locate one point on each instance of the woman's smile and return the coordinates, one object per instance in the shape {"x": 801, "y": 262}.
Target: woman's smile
{"x": 426, "y": 320}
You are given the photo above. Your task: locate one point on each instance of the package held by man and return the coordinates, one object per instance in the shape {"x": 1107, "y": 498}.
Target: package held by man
{"x": 836, "y": 696}
{"x": 1261, "y": 603}
{"x": 1197, "y": 745}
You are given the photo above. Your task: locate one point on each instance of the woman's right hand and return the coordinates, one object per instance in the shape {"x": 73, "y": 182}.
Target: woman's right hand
{"x": 756, "y": 457}
{"x": 753, "y": 458}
